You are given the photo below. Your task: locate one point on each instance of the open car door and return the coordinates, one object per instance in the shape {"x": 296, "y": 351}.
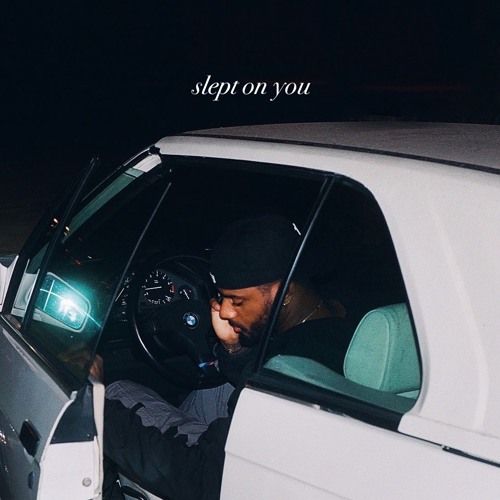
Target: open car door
{"x": 56, "y": 307}
{"x": 34, "y": 422}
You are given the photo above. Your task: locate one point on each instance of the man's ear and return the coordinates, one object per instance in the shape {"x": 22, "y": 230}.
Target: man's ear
{"x": 273, "y": 289}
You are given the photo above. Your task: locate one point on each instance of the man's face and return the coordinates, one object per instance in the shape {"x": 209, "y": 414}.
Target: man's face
{"x": 248, "y": 309}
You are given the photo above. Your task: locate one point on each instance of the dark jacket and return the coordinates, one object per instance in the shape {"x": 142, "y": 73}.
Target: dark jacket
{"x": 162, "y": 463}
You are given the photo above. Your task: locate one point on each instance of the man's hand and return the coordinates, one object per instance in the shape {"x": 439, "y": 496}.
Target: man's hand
{"x": 97, "y": 368}
{"x": 224, "y": 331}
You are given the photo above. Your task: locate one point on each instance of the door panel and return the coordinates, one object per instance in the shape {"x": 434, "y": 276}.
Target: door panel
{"x": 81, "y": 477}
{"x": 44, "y": 403}
{"x": 32, "y": 401}
{"x": 59, "y": 305}
{"x": 41, "y": 401}
{"x": 282, "y": 449}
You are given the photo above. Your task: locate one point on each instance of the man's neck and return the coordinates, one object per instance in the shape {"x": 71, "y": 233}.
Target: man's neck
{"x": 302, "y": 305}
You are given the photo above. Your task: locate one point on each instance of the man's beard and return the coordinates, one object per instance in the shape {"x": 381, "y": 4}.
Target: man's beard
{"x": 251, "y": 336}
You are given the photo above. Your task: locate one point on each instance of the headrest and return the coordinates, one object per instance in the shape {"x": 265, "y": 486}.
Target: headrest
{"x": 382, "y": 353}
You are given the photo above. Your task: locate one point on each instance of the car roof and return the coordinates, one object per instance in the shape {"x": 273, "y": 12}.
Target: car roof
{"x": 471, "y": 145}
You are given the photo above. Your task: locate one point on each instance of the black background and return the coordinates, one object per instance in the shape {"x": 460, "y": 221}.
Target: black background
{"x": 109, "y": 77}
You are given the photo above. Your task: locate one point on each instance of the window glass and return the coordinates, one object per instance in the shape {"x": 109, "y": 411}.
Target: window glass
{"x": 169, "y": 276}
{"x": 206, "y": 196}
{"x": 76, "y": 301}
{"x": 344, "y": 325}
{"x": 74, "y": 296}
{"x": 91, "y": 203}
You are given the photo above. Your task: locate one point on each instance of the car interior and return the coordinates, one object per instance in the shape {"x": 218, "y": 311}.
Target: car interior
{"x": 135, "y": 259}
{"x": 203, "y": 199}
{"x": 349, "y": 259}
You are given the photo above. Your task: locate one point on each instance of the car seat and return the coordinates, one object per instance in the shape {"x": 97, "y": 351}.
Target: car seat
{"x": 382, "y": 355}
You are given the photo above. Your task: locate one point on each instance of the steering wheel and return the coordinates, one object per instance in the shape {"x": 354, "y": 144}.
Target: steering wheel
{"x": 169, "y": 314}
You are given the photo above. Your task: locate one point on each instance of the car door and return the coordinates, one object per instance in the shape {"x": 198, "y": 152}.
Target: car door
{"x": 32, "y": 401}
{"x": 57, "y": 304}
{"x": 301, "y": 429}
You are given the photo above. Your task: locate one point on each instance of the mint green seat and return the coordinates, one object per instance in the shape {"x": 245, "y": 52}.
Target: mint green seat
{"x": 381, "y": 365}
{"x": 305, "y": 369}
{"x": 383, "y": 354}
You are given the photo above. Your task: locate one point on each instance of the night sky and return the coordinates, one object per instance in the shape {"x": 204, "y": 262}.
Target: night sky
{"x": 109, "y": 77}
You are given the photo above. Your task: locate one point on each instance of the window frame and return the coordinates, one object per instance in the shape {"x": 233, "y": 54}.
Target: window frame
{"x": 67, "y": 381}
{"x": 280, "y": 385}
{"x": 14, "y": 326}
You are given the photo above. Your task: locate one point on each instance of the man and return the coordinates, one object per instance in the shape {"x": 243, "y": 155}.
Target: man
{"x": 178, "y": 453}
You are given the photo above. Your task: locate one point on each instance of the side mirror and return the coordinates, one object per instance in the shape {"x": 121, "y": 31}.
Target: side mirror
{"x": 61, "y": 302}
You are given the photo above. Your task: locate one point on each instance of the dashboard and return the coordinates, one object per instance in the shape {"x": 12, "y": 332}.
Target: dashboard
{"x": 163, "y": 282}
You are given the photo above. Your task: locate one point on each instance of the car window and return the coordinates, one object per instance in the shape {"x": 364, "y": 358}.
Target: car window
{"x": 76, "y": 290}
{"x": 74, "y": 301}
{"x": 207, "y": 195}
{"x": 353, "y": 338}
{"x": 92, "y": 202}
{"x": 169, "y": 273}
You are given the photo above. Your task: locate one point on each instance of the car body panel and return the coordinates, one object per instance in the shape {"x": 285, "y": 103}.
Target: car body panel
{"x": 82, "y": 477}
{"x": 31, "y": 394}
{"x": 34, "y": 418}
{"x": 438, "y": 189}
{"x": 41, "y": 402}
{"x": 298, "y": 451}
{"x": 460, "y": 143}
{"x": 83, "y": 461}
{"x": 437, "y": 215}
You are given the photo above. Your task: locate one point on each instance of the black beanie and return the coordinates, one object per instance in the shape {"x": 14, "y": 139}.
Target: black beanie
{"x": 253, "y": 252}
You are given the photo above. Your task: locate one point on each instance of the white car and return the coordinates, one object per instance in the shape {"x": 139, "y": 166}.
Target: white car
{"x": 400, "y": 225}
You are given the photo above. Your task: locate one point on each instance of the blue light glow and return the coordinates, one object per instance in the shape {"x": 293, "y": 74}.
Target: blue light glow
{"x": 62, "y": 302}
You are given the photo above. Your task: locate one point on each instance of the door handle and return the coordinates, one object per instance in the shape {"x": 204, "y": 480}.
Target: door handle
{"x": 29, "y": 437}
